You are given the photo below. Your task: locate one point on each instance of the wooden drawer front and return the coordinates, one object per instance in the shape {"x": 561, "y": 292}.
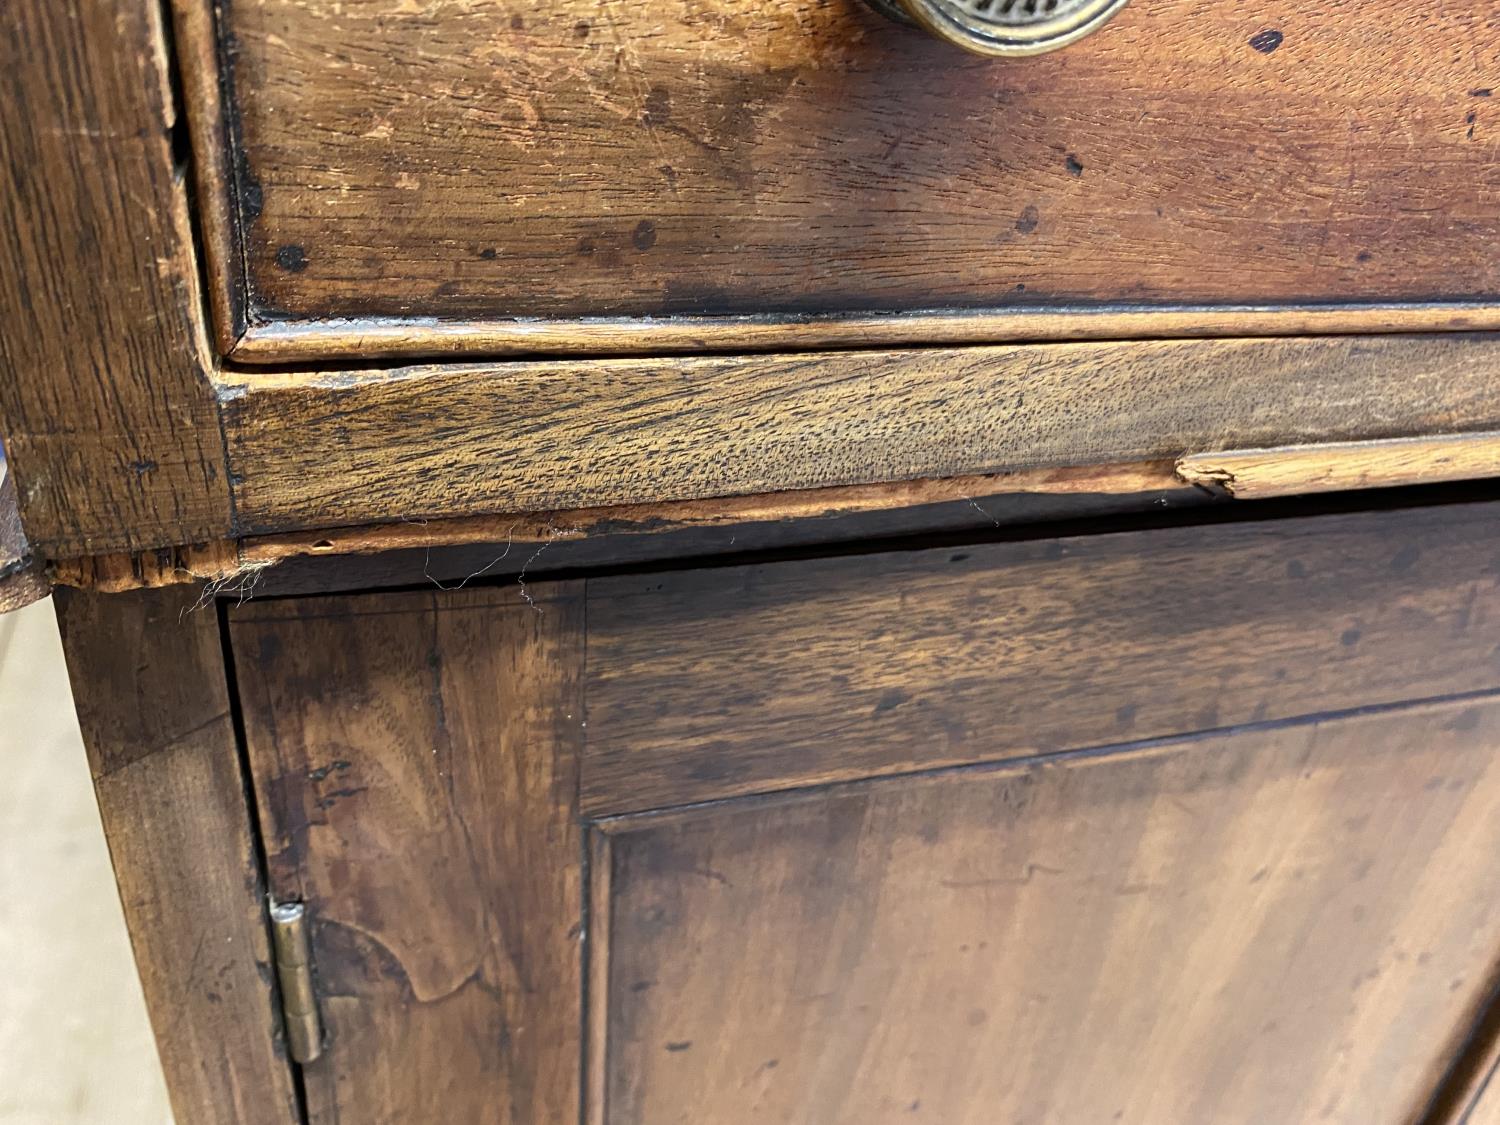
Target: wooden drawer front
{"x": 1116, "y": 910}
{"x": 480, "y": 160}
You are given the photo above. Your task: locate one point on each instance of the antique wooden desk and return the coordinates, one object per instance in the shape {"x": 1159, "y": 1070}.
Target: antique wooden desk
{"x": 730, "y": 561}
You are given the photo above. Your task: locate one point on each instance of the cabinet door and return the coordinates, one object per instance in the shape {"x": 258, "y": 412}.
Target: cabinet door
{"x": 1186, "y": 825}
{"x": 1291, "y": 924}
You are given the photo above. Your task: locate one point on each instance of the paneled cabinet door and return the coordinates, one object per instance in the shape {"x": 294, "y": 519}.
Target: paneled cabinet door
{"x": 1193, "y": 825}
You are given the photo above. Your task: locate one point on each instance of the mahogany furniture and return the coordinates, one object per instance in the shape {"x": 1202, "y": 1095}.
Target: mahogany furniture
{"x": 740, "y": 562}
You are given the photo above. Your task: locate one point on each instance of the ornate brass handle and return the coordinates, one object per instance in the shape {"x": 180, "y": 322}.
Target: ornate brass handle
{"x": 1004, "y": 27}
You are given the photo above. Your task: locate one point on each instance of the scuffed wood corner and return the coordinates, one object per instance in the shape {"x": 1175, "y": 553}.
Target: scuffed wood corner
{"x": 217, "y": 565}
{"x": 1294, "y": 470}
{"x": 21, "y": 579}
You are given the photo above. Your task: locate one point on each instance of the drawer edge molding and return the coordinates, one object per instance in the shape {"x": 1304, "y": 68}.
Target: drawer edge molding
{"x": 269, "y": 343}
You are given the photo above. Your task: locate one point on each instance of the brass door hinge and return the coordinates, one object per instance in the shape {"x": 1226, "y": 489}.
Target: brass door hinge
{"x": 299, "y": 1000}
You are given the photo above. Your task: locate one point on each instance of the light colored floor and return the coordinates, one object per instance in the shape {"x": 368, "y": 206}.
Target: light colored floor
{"x": 75, "y": 1047}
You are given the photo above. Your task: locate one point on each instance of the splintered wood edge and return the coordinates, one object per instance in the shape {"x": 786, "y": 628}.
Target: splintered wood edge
{"x": 1256, "y": 474}
{"x": 235, "y": 567}
{"x": 216, "y": 565}
{"x": 646, "y": 519}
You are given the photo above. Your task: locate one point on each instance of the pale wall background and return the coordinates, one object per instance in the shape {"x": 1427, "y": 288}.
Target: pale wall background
{"x": 75, "y": 1046}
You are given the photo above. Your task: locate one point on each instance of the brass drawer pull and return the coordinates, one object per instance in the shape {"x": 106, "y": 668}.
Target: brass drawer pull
{"x": 1004, "y": 27}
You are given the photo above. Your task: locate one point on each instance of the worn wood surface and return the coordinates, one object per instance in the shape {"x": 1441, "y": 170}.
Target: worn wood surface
{"x": 148, "y": 681}
{"x": 503, "y": 557}
{"x": 416, "y": 766}
{"x": 21, "y": 578}
{"x": 1290, "y": 924}
{"x": 346, "y": 448}
{"x": 477, "y": 547}
{"x": 108, "y": 419}
{"x": 354, "y": 339}
{"x": 1148, "y": 481}
{"x": 707, "y": 684}
{"x": 200, "y": 51}
{"x": 478, "y": 161}
{"x": 1252, "y": 474}
{"x": 216, "y": 564}
{"x": 600, "y": 888}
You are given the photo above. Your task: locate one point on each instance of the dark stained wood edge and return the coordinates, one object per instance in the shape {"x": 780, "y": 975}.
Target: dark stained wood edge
{"x": 302, "y": 341}
{"x": 1470, "y": 1084}
{"x": 238, "y": 567}
{"x": 199, "y": 46}
{"x": 109, "y": 417}
{"x": 340, "y": 449}
{"x": 149, "y": 683}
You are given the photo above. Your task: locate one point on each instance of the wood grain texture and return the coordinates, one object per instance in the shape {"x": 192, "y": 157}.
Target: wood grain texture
{"x": 597, "y": 1009}
{"x": 536, "y": 542}
{"x": 1147, "y": 480}
{"x": 148, "y": 680}
{"x": 1288, "y": 925}
{"x": 713, "y": 683}
{"x": 346, "y": 448}
{"x": 1252, "y": 474}
{"x": 108, "y": 418}
{"x": 484, "y": 160}
{"x": 416, "y": 765}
